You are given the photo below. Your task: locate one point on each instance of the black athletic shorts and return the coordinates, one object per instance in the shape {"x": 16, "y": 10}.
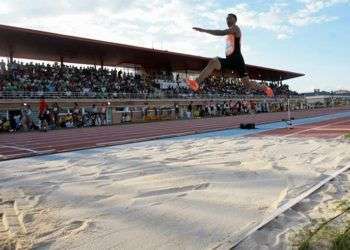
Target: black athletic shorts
{"x": 236, "y": 63}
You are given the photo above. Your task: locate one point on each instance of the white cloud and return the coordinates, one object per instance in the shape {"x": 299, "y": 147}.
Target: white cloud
{"x": 143, "y": 23}
{"x": 309, "y": 14}
{"x": 5, "y": 8}
{"x": 282, "y": 36}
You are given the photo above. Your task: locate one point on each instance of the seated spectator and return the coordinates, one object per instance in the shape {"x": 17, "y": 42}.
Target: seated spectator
{"x": 68, "y": 121}
{"x": 5, "y": 125}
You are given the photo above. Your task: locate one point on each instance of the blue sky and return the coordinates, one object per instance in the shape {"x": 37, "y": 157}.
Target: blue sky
{"x": 307, "y": 36}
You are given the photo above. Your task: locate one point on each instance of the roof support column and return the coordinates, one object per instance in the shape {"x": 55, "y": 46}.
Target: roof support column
{"x": 102, "y": 64}
{"x": 61, "y": 59}
{"x": 11, "y": 55}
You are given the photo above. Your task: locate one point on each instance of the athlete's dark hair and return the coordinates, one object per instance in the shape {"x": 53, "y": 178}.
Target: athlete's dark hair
{"x": 233, "y": 15}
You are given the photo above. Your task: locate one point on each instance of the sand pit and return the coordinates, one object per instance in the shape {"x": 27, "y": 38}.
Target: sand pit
{"x": 170, "y": 194}
{"x": 292, "y": 228}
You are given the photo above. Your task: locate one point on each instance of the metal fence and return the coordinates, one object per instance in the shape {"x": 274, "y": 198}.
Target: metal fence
{"x": 143, "y": 96}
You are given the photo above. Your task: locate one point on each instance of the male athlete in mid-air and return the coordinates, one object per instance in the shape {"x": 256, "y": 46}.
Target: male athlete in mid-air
{"x": 233, "y": 61}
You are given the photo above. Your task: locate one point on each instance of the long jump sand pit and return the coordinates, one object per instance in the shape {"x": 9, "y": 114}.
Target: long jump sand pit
{"x": 171, "y": 194}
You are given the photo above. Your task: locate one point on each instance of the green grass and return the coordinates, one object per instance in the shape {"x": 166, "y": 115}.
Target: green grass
{"x": 305, "y": 245}
{"x": 347, "y": 136}
{"x": 322, "y": 232}
{"x": 342, "y": 241}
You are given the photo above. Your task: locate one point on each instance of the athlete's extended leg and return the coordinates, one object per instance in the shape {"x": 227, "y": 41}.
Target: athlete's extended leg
{"x": 259, "y": 87}
{"x": 214, "y": 64}
{"x": 251, "y": 85}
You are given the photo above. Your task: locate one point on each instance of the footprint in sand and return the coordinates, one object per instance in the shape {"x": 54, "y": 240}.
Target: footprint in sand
{"x": 34, "y": 170}
{"x": 7, "y": 179}
{"x": 78, "y": 226}
{"x": 305, "y": 205}
{"x": 156, "y": 204}
{"x": 75, "y": 224}
{"x": 182, "y": 195}
{"x": 171, "y": 160}
{"x": 53, "y": 171}
{"x": 173, "y": 190}
{"x": 278, "y": 167}
{"x": 244, "y": 149}
{"x": 27, "y": 218}
{"x": 233, "y": 164}
{"x": 344, "y": 177}
{"x": 42, "y": 245}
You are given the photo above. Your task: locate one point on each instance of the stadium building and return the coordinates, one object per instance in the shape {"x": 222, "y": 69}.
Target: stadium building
{"x": 130, "y": 84}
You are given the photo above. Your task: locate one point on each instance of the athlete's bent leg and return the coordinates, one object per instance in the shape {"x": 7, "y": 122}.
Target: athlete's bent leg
{"x": 214, "y": 64}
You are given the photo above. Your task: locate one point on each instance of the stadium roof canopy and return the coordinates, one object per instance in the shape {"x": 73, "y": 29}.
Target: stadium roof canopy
{"x": 38, "y": 45}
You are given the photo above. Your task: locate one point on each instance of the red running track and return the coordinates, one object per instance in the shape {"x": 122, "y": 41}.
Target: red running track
{"x": 324, "y": 130}
{"x": 38, "y": 143}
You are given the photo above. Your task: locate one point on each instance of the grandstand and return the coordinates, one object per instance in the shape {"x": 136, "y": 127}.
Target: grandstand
{"x": 127, "y": 83}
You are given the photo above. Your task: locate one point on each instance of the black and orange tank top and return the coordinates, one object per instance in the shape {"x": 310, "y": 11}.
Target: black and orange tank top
{"x": 233, "y": 45}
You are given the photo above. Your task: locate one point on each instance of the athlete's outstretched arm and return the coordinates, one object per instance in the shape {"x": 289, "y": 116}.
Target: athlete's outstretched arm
{"x": 215, "y": 32}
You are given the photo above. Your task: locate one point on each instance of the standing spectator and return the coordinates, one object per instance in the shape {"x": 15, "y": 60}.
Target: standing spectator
{"x": 17, "y": 122}
{"x": 177, "y": 111}
{"x": 239, "y": 106}
{"x": 43, "y": 114}
{"x": 2, "y": 67}
{"x": 76, "y": 115}
{"x": 226, "y": 108}
{"x": 94, "y": 114}
{"x": 103, "y": 114}
{"x": 27, "y": 118}
{"x": 189, "y": 110}
{"x": 56, "y": 111}
{"x": 212, "y": 108}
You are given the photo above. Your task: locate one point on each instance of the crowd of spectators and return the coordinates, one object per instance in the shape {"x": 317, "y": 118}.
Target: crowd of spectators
{"x": 226, "y": 108}
{"x": 102, "y": 83}
{"x": 42, "y": 78}
{"x": 231, "y": 87}
{"x": 54, "y": 117}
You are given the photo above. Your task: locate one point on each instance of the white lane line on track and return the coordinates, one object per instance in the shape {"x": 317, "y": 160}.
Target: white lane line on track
{"x": 29, "y": 153}
{"x": 157, "y": 137}
{"x": 313, "y": 128}
{"x": 18, "y": 148}
{"x": 288, "y": 205}
{"x": 332, "y": 129}
{"x": 88, "y": 135}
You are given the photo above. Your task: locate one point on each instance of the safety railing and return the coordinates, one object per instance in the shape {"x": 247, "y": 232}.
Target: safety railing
{"x": 113, "y": 95}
